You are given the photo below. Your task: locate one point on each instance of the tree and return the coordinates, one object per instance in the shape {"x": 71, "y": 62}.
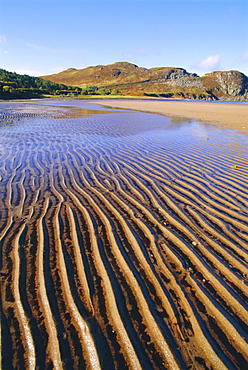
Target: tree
{"x": 6, "y": 88}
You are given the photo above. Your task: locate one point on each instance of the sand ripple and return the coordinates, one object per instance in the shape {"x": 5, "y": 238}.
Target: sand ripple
{"x": 121, "y": 247}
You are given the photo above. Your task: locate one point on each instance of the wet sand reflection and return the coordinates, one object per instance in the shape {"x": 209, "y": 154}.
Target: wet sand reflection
{"x": 124, "y": 240}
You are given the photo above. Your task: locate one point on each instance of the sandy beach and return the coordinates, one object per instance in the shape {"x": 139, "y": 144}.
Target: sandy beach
{"x": 124, "y": 237}
{"x": 228, "y": 115}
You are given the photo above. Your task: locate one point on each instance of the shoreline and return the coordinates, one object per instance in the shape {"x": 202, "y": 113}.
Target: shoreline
{"x": 230, "y": 116}
{"x": 224, "y": 115}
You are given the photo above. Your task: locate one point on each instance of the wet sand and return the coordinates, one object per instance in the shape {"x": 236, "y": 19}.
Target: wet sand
{"x": 228, "y": 115}
{"x": 124, "y": 240}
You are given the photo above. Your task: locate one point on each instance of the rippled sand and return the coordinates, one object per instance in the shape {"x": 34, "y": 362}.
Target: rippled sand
{"x": 124, "y": 240}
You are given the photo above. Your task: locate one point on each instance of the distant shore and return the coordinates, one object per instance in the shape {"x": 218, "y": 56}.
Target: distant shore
{"x": 228, "y": 115}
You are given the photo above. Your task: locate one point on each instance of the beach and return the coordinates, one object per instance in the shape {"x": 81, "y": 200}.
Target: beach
{"x": 228, "y": 115}
{"x": 124, "y": 235}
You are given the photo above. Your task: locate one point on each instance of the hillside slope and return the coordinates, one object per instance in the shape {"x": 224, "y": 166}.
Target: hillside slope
{"x": 14, "y": 85}
{"x": 130, "y": 79}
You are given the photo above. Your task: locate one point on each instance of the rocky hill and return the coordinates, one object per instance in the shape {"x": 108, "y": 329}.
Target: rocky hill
{"x": 227, "y": 85}
{"x": 130, "y": 79}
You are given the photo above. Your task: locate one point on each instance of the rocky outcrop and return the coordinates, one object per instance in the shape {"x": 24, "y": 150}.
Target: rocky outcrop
{"x": 177, "y": 77}
{"x": 227, "y": 85}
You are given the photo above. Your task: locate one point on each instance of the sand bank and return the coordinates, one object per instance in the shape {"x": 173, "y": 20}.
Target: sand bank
{"x": 234, "y": 116}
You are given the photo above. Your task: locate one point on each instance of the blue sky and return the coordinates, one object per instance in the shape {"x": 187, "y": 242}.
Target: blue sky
{"x": 40, "y": 37}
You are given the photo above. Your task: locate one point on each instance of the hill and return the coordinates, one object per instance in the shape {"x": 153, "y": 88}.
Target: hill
{"x": 13, "y": 85}
{"x": 129, "y": 79}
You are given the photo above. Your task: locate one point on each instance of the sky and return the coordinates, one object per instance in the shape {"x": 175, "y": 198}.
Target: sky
{"x": 40, "y": 37}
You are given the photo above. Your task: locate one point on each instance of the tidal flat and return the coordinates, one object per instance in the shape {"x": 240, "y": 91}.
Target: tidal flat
{"x": 124, "y": 238}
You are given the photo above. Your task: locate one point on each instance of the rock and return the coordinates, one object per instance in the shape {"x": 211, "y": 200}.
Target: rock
{"x": 227, "y": 85}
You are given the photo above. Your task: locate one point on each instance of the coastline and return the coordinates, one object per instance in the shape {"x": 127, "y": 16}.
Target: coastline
{"x": 230, "y": 116}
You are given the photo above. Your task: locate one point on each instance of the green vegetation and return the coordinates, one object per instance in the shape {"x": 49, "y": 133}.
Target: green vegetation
{"x": 13, "y": 86}
{"x": 154, "y": 95}
{"x": 94, "y": 90}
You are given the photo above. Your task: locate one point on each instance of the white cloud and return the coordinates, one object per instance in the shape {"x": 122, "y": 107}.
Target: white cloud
{"x": 134, "y": 56}
{"x": 244, "y": 57}
{"x": 29, "y": 72}
{"x": 139, "y": 52}
{"x": 3, "y": 52}
{"x": 40, "y": 48}
{"x": 211, "y": 63}
{"x": 3, "y": 40}
{"x": 57, "y": 69}
{"x": 241, "y": 63}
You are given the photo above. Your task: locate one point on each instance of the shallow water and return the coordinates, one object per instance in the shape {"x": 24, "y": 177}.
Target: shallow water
{"x": 124, "y": 236}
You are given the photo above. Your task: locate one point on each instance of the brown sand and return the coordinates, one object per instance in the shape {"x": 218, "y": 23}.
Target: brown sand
{"x": 116, "y": 255}
{"x": 228, "y": 115}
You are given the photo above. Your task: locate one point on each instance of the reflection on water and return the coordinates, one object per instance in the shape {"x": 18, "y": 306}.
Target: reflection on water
{"x": 124, "y": 237}
{"x": 53, "y": 109}
{"x": 122, "y": 123}
{"x": 58, "y": 127}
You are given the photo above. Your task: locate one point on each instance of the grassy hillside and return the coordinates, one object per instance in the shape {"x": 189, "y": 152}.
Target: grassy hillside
{"x": 130, "y": 79}
{"x": 13, "y": 85}
{"x": 127, "y": 79}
